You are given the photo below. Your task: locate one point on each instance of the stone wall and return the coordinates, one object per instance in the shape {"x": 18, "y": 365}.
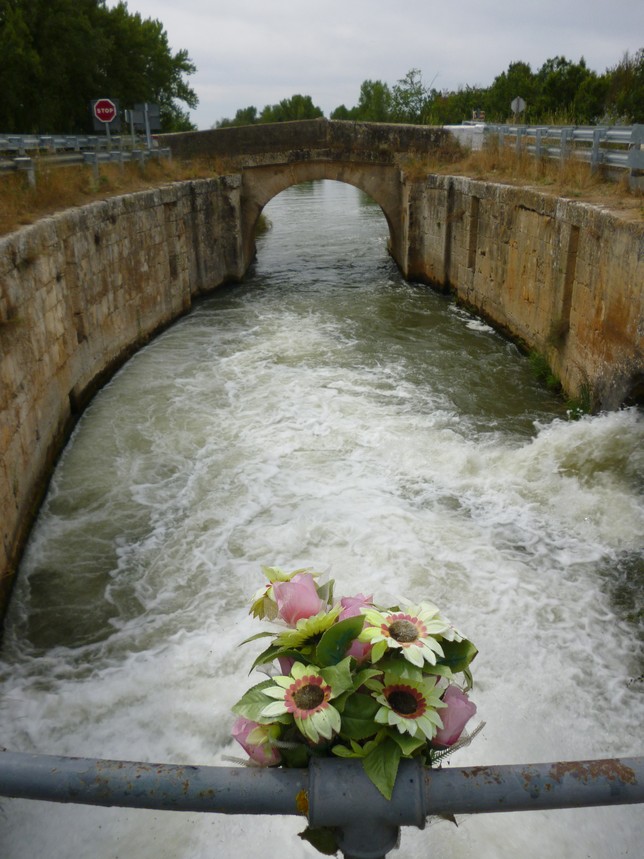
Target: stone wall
{"x": 247, "y": 145}
{"x": 564, "y": 278}
{"x": 79, "y": 293}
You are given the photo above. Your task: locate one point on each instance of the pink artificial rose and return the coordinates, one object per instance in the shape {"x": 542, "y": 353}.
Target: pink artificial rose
{"x": 351, "y": 605}
{"x": 455, "y": 716}
{"x": 257, "y": 747}
{"x": 297, "y": 598}
{"x": 360, "y": 650}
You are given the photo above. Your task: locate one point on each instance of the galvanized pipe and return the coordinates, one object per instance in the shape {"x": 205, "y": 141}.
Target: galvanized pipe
{"x": 331, "y": 792}
{"x": 91, "y": 781}
{"x": 528, "y": 787}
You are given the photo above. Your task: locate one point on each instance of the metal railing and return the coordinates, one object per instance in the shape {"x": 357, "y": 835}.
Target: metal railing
{"x": 330, "y": 792}
{"x": 26, "y": 153}
{"x": 616, "y": 148}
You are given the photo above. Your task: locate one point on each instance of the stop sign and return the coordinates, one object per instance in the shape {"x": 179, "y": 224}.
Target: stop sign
{"x": 104, "y": 110}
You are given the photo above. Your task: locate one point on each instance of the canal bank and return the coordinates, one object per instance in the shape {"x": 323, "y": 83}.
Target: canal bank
{"x": 83, "y": 290}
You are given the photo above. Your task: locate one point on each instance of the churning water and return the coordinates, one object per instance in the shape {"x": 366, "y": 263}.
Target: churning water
{"x": 326, "y": 414}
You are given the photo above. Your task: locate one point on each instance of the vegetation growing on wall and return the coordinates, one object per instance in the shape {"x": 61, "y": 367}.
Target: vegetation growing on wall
{"x": 58, "y": 55}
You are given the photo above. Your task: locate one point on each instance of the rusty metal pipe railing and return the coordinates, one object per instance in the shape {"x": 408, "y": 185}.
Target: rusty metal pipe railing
{"x": 333, "y": 793}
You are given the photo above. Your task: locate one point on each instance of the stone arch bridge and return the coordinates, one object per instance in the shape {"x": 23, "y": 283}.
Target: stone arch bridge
{"x": 81, "y": 291}
{"x": 374, "y": 157}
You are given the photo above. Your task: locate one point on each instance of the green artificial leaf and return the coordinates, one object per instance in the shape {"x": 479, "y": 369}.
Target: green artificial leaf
{"x": 296, "y": 755}
{"x": 323, "y": 838}
{"x": 358, "y": 717}
{"x": 338, "y": 676}
{"x": 272, "y": 652}
{"x": 253, "y": 701}
{"x": 408, "y": 744}
{"x": 457, "y": 654}
{"x": 256, "y": 636}
{"x": 364, "y": 676}
{"x": 396, "y": 664}
{"x": 325, "y": 592}
{"x": 378, "y": 650}
{"x": 344, "y": 752}
{"x": 381, "y": 766}
{"x": 334, "y": 643}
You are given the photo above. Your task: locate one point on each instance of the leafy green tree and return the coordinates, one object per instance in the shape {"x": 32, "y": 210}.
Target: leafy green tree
{"x": 518, "y": 80}
{"x": 558, "y": 82}
{"x": 410, "y": 99}
{"x": 19, "y": 67}
{"x": 375, "y": 102}
{"x": 625, "y": 89}
{"x": 342, "y": 112}
{"x": 244, "y": 116}
{"x": 289, "y": 109}
{"x": 57, "y": 55}
{"x": 451, "y": 108}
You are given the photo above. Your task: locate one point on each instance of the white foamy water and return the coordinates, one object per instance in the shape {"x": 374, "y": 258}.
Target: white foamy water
{"x": 326, "y": 414}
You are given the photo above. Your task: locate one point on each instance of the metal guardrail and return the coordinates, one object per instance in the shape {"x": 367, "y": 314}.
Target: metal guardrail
{"x": 613, "y": 147}
{"x": 26, "y": 152}
{"x": 331, "y": 792}
{"x": 21, "y": 144}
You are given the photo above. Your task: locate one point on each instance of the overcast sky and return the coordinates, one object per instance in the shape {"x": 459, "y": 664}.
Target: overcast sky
{"x": 257, "y": 52}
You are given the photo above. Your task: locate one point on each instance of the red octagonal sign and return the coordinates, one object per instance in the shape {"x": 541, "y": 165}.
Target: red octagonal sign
{"x": 104, "y": 110}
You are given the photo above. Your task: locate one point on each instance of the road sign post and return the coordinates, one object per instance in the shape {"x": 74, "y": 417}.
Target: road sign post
{"x": 106, "y": 115}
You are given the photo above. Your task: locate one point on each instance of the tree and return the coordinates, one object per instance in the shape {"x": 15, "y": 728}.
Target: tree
{"x": 375, "y": 102}
{"x": 57, "y": 55}
{"x": 518, "y": 80}
{"x": 451, "y": 108}
{"x": 410, "y": 99}
{"x": 625, "y": 88}
{"x": 289, "y": 109}
{"x": 558, "y": 82}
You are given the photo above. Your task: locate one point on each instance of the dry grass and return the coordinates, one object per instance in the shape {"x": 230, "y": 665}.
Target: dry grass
{"x": 572, "y": 179}
{"x": 63, "y": 187}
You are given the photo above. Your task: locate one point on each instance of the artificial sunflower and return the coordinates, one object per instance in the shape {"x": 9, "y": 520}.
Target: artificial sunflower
{"x": 305, "y": 695}
{"x": 414, "y": 632}
{"x": 410, "y": 706}
{"x": 308, "y": 630}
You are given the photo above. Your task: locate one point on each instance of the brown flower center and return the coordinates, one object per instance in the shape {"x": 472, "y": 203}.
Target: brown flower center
{"x": 403, "y": 702}
{"x": 403, "y": 631}
{"x": 309, "y": 697}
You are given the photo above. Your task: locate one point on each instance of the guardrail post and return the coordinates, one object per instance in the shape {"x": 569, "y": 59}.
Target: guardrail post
{"x": 538, "y": 135}
{"x": 595, "y": 155}
{"x": 636, "y": 158}
{"x": 26, "y": 166}
{"x": 564, "y": 145}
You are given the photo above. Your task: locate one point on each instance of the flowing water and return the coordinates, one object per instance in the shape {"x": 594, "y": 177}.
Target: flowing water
{"x": 326, "y": 413}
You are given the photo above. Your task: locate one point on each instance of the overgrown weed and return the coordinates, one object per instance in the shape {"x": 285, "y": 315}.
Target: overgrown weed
{"x": 59, "y": 188}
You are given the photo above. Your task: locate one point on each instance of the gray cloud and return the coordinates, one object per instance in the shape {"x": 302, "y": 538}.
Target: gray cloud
{"x": 253, "y": 52}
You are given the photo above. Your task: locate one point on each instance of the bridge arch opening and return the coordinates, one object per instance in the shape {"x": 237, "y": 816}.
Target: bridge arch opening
{"x": 381, "y": 183}
{"x": 342, "y": 214}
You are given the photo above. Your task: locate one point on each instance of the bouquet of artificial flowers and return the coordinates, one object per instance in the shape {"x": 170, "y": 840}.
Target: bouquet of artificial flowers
{"x": 354, "y": 680}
